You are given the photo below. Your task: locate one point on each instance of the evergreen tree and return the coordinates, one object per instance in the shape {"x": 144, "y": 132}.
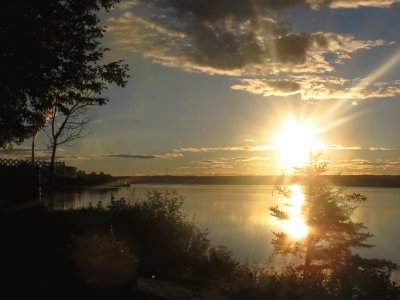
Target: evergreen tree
{"x": 327, "y": 212}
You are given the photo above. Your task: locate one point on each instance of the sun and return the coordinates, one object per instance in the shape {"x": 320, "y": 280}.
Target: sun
{"x": 295, "y": 143}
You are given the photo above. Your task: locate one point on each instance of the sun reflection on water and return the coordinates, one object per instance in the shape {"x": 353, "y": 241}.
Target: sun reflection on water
{"x": 295, "y": 226}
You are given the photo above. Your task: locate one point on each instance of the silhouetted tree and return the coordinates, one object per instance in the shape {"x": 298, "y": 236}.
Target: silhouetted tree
{"x": 66, "y": 124}
{"x": 327, "y": 212}
{"x": 50, "y": 53}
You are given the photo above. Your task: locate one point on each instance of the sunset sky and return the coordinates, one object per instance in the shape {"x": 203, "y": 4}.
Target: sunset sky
{"x": 213, "y": 82}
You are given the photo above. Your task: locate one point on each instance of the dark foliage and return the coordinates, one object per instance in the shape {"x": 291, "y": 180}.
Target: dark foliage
{"x": 327, "y": 211}
{"x": 75, "y": 250}
{"x": 101, "y": 251}
{"x": 362, "y": 278}
{"x": 330, "y": 269}
{"x": 81, "y": 178}
{"x": 50, "y": 53}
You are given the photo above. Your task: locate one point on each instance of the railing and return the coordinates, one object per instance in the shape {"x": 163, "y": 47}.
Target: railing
{"x": 6, "y": 162}
{"x": 22, "y": 181}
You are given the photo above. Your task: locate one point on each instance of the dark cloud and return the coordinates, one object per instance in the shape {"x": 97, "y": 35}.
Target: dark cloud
{"x": 292, "y": 48}
{"x": 246, "y": 38}
{"x": 284, "y": 85}
{"x": 212, "y": 10}
{"x": 233, "y": 37}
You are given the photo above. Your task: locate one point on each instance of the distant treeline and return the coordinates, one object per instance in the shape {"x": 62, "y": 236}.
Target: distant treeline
{"x": 340, "y": 180}
{"x": 74, "y": 177}
{"x": 365, "y": 180}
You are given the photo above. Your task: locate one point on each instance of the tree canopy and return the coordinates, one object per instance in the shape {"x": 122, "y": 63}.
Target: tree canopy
{"x": 51, "y": 55}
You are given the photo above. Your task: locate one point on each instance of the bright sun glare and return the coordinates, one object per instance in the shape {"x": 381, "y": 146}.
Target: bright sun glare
{"x": 295, "y": 143}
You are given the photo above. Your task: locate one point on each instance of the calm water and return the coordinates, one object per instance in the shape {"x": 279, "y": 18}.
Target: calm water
{"x": 237, "y": 216}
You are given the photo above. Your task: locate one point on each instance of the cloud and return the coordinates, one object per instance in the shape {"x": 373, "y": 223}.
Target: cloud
{"x": 314, "y": 87}
{"x": 230, "y": 37}
{"x": 379, "y": 163}
{"x": 374, "y": 91}
{"x": 25, "y": 153}
{"x": 70, "y": 157}
{"x": 145, "y": 156}
{"x": 340, "y": 147}
{"x": 227, "y": 148}
{"x": 45, "y": 154}
{"x": 40, "y": 154}
{"x": 263, "y": 148}
{"x": 233, "y": 160}
{"x": 247, "y": 38}
{"x": 245, "y": 159}
{"x": 210, "y": 9}
{"x": 360, "y": 166}
{"x": 133, "y": 156}
{"x": 365, "y": 166}
{"x": 269, "y": 87}
{"x": 317, "y": 4}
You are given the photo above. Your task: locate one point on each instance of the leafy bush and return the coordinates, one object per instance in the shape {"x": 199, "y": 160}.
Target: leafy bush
{"x": 169, "y": 246}
{"x": 362, "y": 278}
{"x": 103, "y": 262}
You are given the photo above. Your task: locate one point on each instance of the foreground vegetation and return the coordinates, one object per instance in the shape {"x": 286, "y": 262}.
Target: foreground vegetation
{"x": 102, "y": 250}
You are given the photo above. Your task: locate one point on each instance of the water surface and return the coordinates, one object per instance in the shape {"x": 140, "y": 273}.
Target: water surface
{"x": 237, "y": 215}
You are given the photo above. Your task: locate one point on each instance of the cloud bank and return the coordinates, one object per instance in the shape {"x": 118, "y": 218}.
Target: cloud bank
{"x": 235, "y": 40}
{"x": 247, "y": 39}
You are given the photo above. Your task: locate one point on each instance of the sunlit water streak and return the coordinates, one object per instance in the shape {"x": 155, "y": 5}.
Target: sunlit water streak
{"x": 295, "y": 226}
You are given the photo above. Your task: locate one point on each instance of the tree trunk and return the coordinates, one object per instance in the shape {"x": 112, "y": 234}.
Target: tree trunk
{"x": 309, "y": 250}
{"x": 33, "y": 149}
{"x": 52, "y": 174}
{"x": 52, "y": 163}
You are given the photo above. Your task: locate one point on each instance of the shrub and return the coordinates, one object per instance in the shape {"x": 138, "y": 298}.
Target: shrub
{"x": 169, "y": 246}
{"x": 363, "y": 278}
{"x": 103, "y": 262}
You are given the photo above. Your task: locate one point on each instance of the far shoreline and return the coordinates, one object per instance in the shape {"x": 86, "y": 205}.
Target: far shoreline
{"x": 387, "y": 181}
